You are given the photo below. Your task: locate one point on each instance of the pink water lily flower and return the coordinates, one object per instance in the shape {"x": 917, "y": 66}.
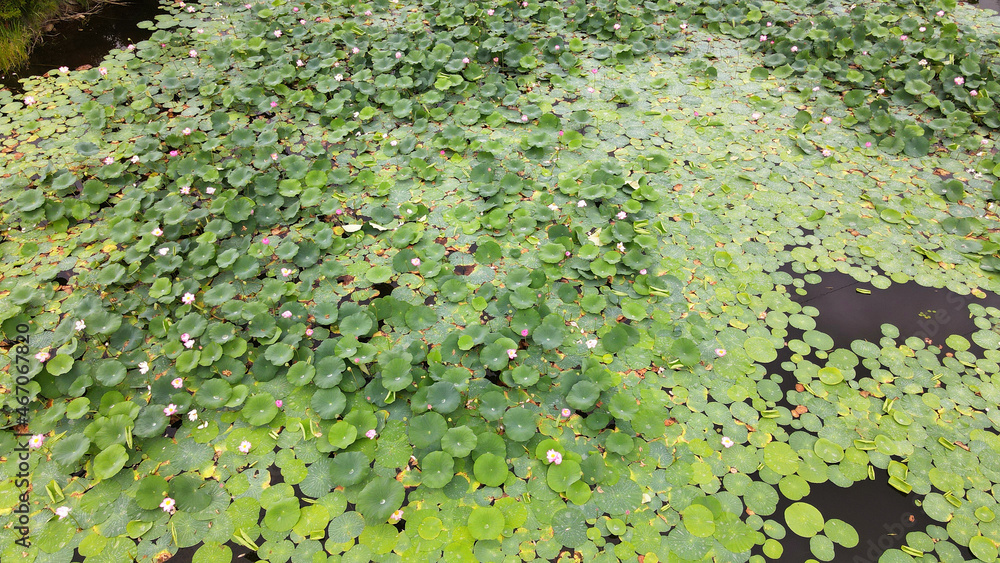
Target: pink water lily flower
{"x": 169, "y": 505}
{"x": 511, "y": 353}
{"x": 36, "y": 441}
{"x": 553, "y": 457}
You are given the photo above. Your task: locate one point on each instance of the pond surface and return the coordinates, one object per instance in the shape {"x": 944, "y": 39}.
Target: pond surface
{"x": 881, "y": 515}
{"x": 86, "y": 41}
{"x": 987, "y": 5}
{"x": 925, "y": 312}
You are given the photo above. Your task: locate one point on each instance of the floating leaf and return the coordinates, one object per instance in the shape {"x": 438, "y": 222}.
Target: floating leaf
{"x": 804, "y": 519}
{"x": 486, "y": 522}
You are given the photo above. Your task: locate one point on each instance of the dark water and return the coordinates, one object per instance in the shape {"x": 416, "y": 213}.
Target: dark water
{"x": 924, "y": 312}
{"x": 987, "y": 5}
{"x": 87, "y": 41}
{"x": 881, "y": 515}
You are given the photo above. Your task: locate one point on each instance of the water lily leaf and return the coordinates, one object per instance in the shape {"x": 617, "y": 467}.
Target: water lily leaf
{"x": 342, "y": 434}
{"x": 822, "y": 548}
{"x": 781, "y": 458}
{"x": 437, "y": 469}
{"x": 828, "y": 451}
{"x": 396, "y": 374}
{"x": 490, "y": 470}
{"x": 760, "y": 350}
{"x": 560, "y": 476}
{"x": 459, "y": 441}
{"x": 427, "y": 429}
{"x": 486, "y": 522}
{"x": 698, "y": 520}
{"x": 282, "y": 515}
{"x": 686, "y": 351}
{"x": 69, "y": 449}
{"x": 109, "y": 462}
{"x": 492, "y": 405}
{"x": 830, "y": 375}
{"x": 86, "y": 148}
{"x": 59, "y": 364}
{"x": 349, "y": 468}
{"x": 519, "y": 424}
{"x": 804, "y": 519}
{"x": 328, "y": 403}
{"x": 983, "y": 548}
{"x": 570, "y": 527}
{"x": 357, "y": 324}
{"x": 379, "y": 499}
{"x": 152, "y": 491}
{"x": 279, "y": 354}
{"x": 619, "y": 443}
{"x": 524, "y": 375}
{"x": 259, "y": 409}
{"x": 841, "y": 532}
{"x": 617, "y": 499}
{"x": 214, "y": 394}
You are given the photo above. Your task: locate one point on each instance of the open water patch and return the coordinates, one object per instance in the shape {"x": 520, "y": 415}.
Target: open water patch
{"x": 846, "y": 311}
{"x": 86, "y": 41}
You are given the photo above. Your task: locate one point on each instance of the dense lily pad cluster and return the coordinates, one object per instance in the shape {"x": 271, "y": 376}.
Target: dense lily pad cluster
{"x": 456, "y": 281}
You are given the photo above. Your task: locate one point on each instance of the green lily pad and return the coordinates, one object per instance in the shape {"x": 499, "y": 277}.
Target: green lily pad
{"x": 486, "y": 522}
{"x": 804, "y": 519}
{"x": 490, "y": 470}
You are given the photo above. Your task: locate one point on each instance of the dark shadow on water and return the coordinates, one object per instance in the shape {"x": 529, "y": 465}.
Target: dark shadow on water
{"x": 925, "y": 312}
{"x": 881, "y": 515}
{"x": 86, "y": 42}
{"x": 986, "y": 5}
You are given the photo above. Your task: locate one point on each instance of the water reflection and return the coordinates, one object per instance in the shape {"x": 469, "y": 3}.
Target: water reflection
{"x": 86, "y": 41}
{"x": 987, "y": 5}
